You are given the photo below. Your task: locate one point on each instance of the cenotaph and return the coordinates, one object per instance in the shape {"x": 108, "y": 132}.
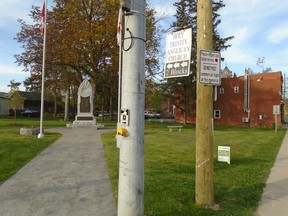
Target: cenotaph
{"x": 85, "y": 115}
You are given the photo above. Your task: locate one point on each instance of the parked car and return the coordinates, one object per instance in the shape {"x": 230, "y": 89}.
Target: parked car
{"x": 151, "y": 114}
{"x": 105, "y": 114}
{"x": 146, "y": 115}
{"x": 30, "y": 113}
{"x": 157, "y": 115}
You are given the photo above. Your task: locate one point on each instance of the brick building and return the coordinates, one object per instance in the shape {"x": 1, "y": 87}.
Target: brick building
{"x": 246, "y": 101}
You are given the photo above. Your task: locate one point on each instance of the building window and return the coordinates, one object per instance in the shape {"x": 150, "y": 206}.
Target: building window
{"x": 217, "y": 114}
{"x": 236, "y": 89}
{"x": 221, "y": 90}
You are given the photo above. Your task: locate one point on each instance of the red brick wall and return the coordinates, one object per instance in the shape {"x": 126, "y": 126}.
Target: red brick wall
{"x": 265, "y": 91}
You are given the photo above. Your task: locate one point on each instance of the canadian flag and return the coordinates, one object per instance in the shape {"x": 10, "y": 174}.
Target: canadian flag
{"x": 43, "y": 13}
{"x": 119, "y": 27}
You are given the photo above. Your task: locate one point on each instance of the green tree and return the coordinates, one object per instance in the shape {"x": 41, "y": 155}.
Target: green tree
{"x": 157, "y": 100}
{"x": 15, "y": 100}
{"x": 14, "y": 86}
{"x": 183, "y": 89}
{"x": 154, "y": 35}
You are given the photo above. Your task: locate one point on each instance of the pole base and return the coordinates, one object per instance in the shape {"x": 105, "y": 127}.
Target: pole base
{"x": 40, "y": 135}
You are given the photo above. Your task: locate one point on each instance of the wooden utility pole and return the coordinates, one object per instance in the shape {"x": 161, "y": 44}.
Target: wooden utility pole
{"x": 204, "y": 190}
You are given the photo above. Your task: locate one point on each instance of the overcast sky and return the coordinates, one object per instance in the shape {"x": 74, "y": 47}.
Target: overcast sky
{"x": 260, "y": 28}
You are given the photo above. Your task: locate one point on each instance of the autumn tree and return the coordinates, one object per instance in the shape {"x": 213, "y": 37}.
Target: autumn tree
{"x": 81, "y": 44}
{"x": 15, "y": 100}
{"x": 80, "y": 40}
{"x": 31, "y": 58}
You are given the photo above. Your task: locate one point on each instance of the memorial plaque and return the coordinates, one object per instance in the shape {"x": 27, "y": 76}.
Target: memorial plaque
{"x": 84, "y": 104}
{"x": 85, "y": 115}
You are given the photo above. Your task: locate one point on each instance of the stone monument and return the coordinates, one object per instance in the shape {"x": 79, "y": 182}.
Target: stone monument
{"x": 85, "y": 115}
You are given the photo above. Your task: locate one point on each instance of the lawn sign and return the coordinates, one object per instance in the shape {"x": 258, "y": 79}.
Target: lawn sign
{"x": 224, "y": 154}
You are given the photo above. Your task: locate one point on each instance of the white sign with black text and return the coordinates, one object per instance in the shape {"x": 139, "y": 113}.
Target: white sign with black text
{"x": 178, "y": 53}
{"x": 210, "y": 67}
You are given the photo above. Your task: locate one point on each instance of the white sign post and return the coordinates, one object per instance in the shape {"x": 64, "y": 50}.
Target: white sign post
{"x": 276, "y": 111}
{"x": 224, "y": 154}
{"x": 210, "y": 67}
{"x": 178, "y": 53}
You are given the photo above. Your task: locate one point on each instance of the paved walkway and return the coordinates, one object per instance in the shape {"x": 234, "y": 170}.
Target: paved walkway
{"x": 274, "y": 200}
{"x": 69, "y": 178}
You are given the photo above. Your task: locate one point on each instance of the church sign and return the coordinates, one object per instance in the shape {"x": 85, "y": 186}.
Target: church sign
{"x": 178, "y": 53}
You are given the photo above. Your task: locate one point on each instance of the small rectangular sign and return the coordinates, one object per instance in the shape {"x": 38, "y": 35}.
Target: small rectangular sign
{"x": 224, "y": 154}
{"x": 210, "y": 67}
{"x": 276, "y": 110}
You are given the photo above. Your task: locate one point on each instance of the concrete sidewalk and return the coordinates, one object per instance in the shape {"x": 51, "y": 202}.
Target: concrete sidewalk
{"x": 275, "y": 196}
{"x": 69, "y": 178}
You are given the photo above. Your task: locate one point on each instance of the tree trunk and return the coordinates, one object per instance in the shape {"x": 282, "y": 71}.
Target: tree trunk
{"x": 111, "y": 108}
{"x": 15, "y": 116}
{"x": 55, "y": 106}
{"x": 66, "y": 116}
{"x": 102, "y": 108}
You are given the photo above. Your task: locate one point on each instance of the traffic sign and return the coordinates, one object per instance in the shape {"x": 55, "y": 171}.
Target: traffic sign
{"x": 210, "y": 67}
{"x": 178, "y": 53}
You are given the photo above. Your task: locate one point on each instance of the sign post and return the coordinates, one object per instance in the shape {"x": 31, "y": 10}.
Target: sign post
{"x": 178, "y": 53}
{"x": 276, "y": 111}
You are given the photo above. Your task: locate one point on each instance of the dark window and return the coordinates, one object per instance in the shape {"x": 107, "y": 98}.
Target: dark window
{"x": 217, "y": 114}
{"x": 236, "y": 89}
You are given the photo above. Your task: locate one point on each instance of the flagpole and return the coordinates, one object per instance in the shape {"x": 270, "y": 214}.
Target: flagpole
{"x": 41, "y": 133}
{"x": 119, "y": 41}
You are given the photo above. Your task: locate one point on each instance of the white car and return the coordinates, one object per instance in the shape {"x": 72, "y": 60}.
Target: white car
{"x": 151, "y": 114}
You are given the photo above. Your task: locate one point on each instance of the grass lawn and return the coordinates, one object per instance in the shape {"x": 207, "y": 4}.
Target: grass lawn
{"x": 170, "y": 169}
{"x": 16, "y": 150}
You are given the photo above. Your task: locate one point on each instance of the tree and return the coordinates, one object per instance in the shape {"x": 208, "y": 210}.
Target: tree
{"x": 80, "y": 40}
{"x": 15, "y": 101}
{"x": 260, "y": 62}
{"x": 154, "y": 35}
{"x": 183, "y": 89}
{"x": 153, "y": 40}
{"x": 156, "y": 100}
{"x": 14, "y": 86}
{"x": 81, "y": 43}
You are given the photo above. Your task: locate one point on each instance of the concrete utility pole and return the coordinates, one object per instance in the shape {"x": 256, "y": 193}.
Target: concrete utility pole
{"x": 204, "y": 190}
{"x": 131, "y": 161}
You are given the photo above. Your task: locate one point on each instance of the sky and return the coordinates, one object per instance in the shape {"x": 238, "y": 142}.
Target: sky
{"x": 259, "y": 27}
{"x": 10, "y": 12}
